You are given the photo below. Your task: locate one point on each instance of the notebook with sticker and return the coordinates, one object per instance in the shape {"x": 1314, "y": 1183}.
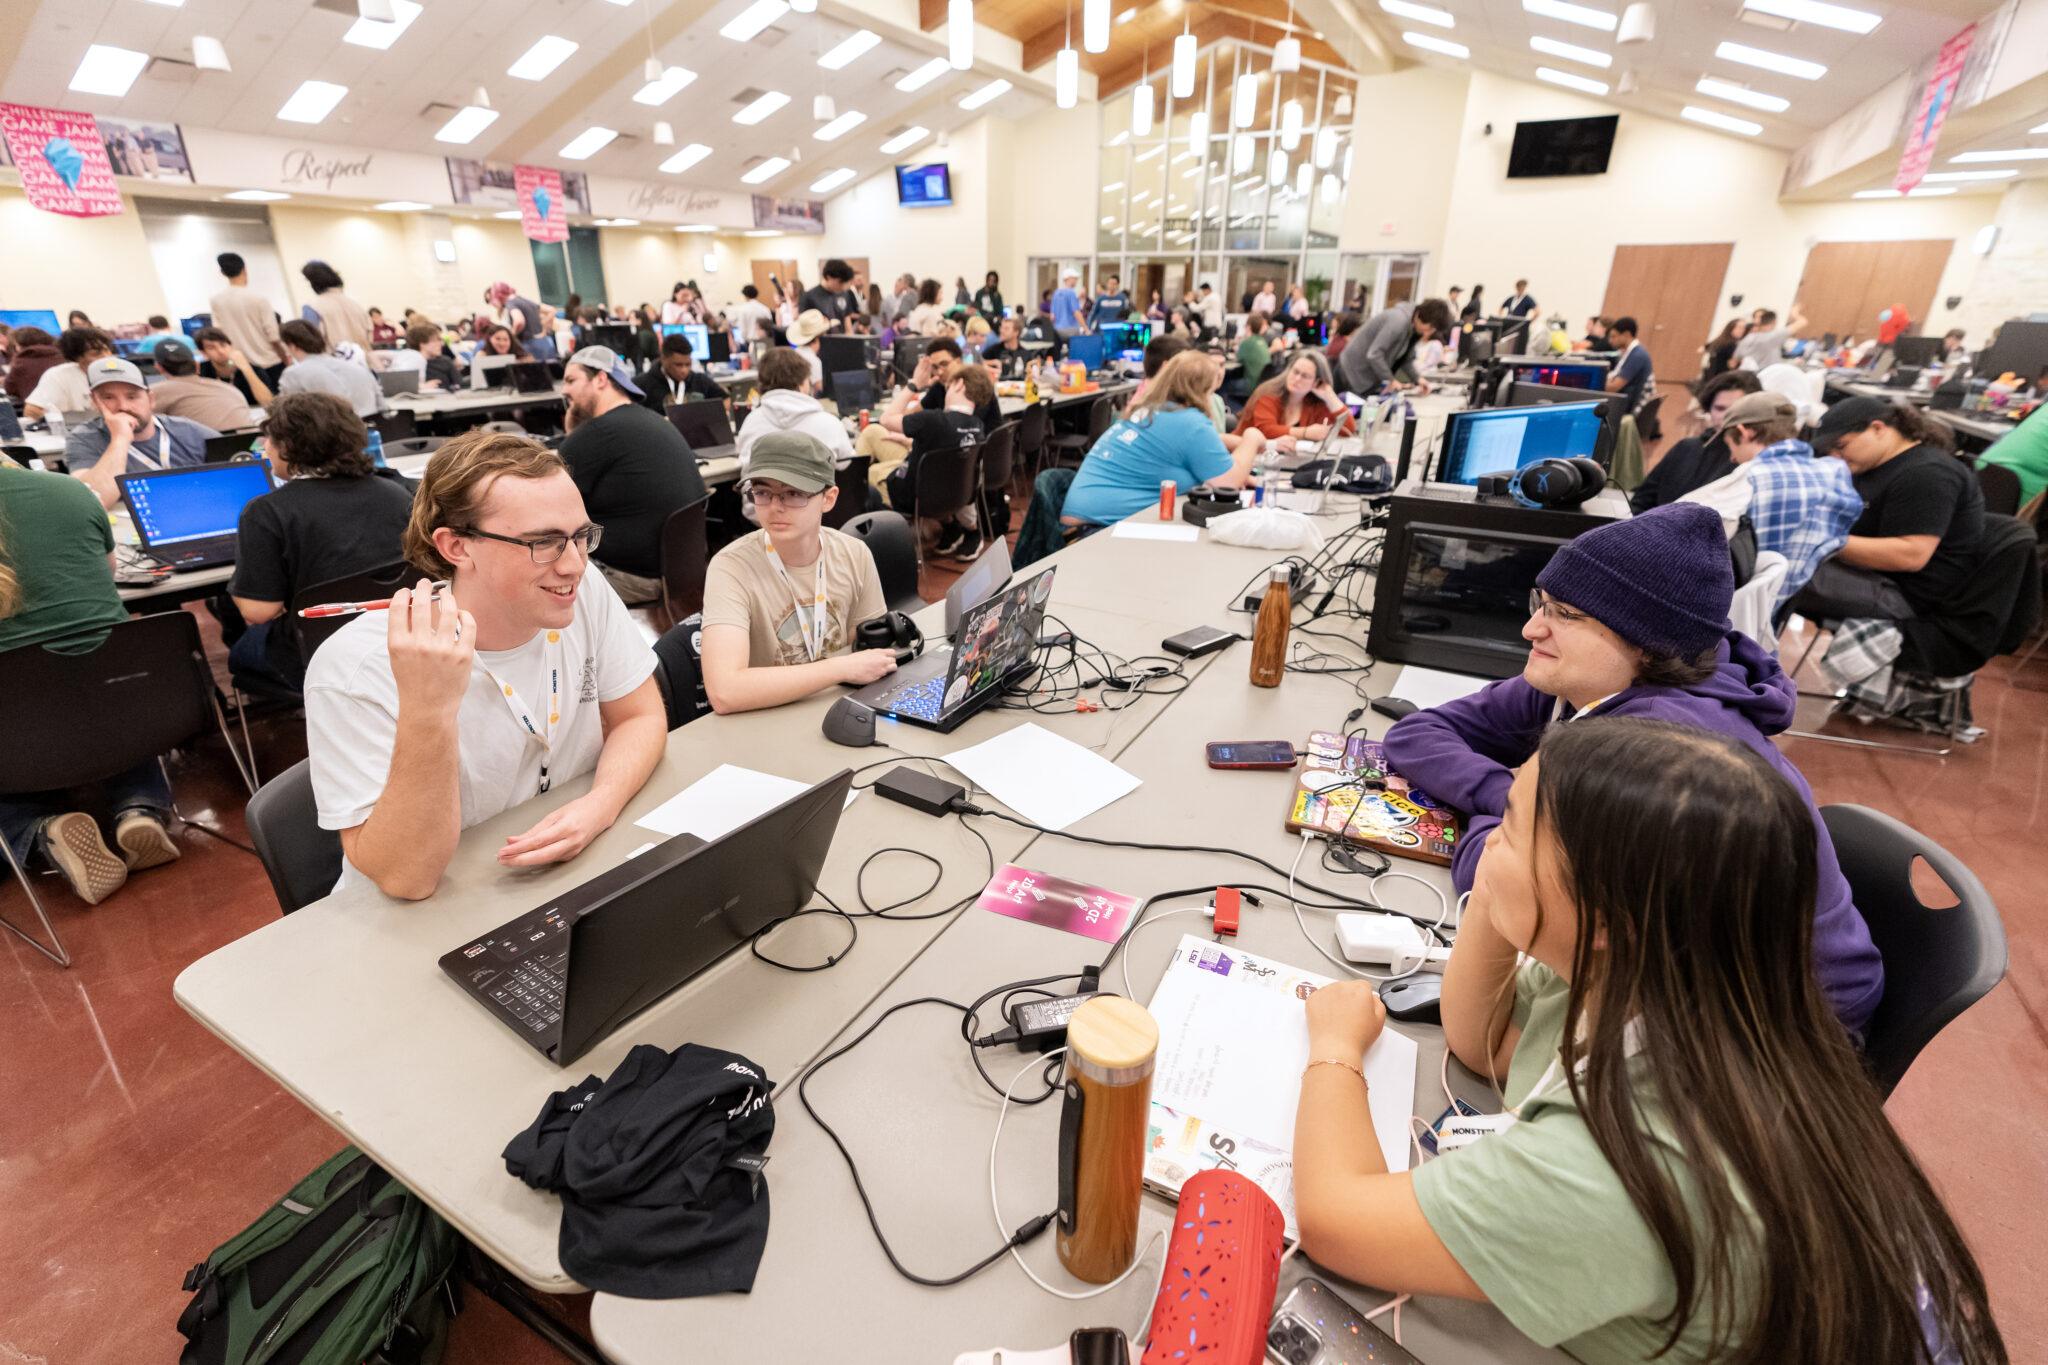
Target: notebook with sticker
{"x": 1346, "y": 787}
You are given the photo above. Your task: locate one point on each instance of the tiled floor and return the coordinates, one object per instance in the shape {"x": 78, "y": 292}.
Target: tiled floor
{"x": 132, "y": 1141}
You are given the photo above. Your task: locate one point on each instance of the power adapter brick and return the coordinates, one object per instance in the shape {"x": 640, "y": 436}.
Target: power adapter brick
{"x": 919, "y": 790}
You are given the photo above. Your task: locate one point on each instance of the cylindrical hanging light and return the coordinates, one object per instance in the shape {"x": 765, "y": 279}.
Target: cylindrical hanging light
{"x": 664, "y": 133}
{"x": 823, "y": 109}
{"x": 1326, "y": 147}
{"x": 1141, "y": 111}
{"x": 1066, "y": 77}
{"x": 960, "y": 33}
{"x": 1184, "y": 67}
{"x": 1304, "y": 179}
{"x": 1287, "y": 54}
{"x": 1244, "y": 103}
{"x": 1198, "y": 131}
{"x": 209, "y": 54}
{"x": 1095, "y": 25}
{"x": 1243, "y": 153}
{"x": 1276, "y": 168}
{"x": 1330, "y": 188}
{"x": 1290, "y": 124}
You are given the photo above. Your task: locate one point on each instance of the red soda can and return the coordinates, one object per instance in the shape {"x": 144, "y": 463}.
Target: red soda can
{"x": 1166, "y": 492}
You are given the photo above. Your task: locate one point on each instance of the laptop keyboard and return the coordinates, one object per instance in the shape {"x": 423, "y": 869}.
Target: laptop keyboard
{"x": 533, "y": 990}
{"x": 199, "y": 553}
{"x": 921, "y": 699}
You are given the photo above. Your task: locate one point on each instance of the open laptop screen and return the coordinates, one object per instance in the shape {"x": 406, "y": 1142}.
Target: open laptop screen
{"x": 192, "y": 504}
{"x": 997, "y": 638}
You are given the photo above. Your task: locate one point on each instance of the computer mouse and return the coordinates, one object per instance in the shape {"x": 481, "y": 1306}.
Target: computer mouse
{"x": 1394, "y": 708}
{"x": 851, "y": 723}
{"x": 1415, "y": 999}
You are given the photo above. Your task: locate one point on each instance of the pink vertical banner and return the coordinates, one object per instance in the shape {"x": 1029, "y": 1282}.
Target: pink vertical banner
{"x": 1935, "y": 102}
{"x": 543, "y": 208}
{"x": 62, "y": 161}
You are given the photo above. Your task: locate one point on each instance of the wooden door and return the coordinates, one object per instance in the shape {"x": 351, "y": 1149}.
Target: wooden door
{"x": 764, "y": 274}
{"x": 1672, "y": 293}
{"x": 1847, "y": 284}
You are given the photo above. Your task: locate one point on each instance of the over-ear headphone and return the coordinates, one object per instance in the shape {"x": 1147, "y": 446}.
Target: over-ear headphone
{"x": 1558, "y": 484}
{"x": 891, "y": 630}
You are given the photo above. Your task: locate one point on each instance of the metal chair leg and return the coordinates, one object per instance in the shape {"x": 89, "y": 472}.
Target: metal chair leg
{"x": 247, "y": 768}
{"x": 55, "y": 949}
{"x": 1835, "y": 708}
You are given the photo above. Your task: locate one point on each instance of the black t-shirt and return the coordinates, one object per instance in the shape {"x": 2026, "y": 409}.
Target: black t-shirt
{"x": 660, "y": 390}
{"x": 235, "y": 377}
{"x": 835, "y": 307}
{"x": 1925, "y": 491}
{"x": 989, "y": 414}
{"x": 633, "y": 469}
{"x": 310, "y": 531}
{"x": 933, "y": 432}
{"x": 442, "y": 367}
{"x": 1693, "y": 463}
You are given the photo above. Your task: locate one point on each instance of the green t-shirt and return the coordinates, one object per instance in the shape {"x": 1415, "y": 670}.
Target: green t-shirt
{"x": 1540, "y": 1221}
{"x": 55, "y": 539}
{"x": 2024, "y": 451}
{"x": 1254, "y": 355}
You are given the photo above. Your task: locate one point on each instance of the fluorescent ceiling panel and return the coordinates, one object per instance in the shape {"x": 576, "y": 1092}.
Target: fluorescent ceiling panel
{"x": 849, "y": 49}
{"x": 1571, "y": 80}
{"x": 1714, "y": 118}
{"x": 539, "y": 61}
{"x": 905, "y": 140}
{"x": 468, "y": 122}
{"x": 108, "y": 70}
{"x": 1572, "y": 52}
{"x": 1429, "y": 42}
{"x": 1742, "y": 94}
{"x": 658, "y": 93}
{"x": 1814, "y": 12}
{"x": 762, "y": 107}
{"x": 588, "y": 143}
{"x": 767, "y": 170}
{"x": 686, "y": 158}
{"x": 1583, "y": 15}
{"x": 1771, "y": 61}
{"x": 744, "y": 26}
{"x": 312, "y": 102}
{"x": 380, "y": 35}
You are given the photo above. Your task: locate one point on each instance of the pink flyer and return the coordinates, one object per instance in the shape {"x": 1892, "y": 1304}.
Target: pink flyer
{"x": 543, "y": 208}
{"x": 1058, "y": 903}
{"x": 62, "y": 161}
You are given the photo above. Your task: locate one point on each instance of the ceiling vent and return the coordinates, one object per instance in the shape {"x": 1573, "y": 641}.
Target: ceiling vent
{"x": 172, "y": 70}
{"x": 1762, "y": 20}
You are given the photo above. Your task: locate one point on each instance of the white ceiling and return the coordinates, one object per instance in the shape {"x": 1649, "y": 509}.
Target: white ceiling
{"x": 456, "y": 45}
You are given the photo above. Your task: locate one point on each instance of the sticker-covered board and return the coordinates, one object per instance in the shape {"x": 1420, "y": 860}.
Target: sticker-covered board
{"x": 1347, "y": 788}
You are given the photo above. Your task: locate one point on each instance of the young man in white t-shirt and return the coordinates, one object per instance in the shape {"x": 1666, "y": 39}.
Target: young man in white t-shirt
{"x": 780, "y": 603}
{"x": 525, "y": 672}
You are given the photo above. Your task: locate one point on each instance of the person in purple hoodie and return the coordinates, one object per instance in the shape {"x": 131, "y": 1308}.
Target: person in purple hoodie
{"x": 1631, "y": 619}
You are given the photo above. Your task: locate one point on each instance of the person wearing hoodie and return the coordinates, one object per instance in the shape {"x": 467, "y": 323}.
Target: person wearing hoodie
{"x": 786, "y": 405}
{"x": 1631, "y": 619}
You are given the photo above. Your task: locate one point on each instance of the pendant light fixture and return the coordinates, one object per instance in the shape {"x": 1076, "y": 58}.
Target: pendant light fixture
{"x": 1304, "y": 179}
{"x": 1244, "y": 102}
{"x": 960, "y": 34}
{"x": 1287, "y": 52}
{"x": 1290, "y": 124}
{"x": 1184, "y": 64}
{"x": 1095, "y": 25}
{"x": 1243, "y": 154}
{"x": 1198, "y": 131}
{"x": 1276, "y": 168}
{"x": 1066, "y": 68}
{"x": 1326, "y": 147}
{"x": 1141, "y": 101}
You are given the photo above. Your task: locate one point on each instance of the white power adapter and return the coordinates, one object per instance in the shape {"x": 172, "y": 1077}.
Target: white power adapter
{"x": 1392, "y": 941}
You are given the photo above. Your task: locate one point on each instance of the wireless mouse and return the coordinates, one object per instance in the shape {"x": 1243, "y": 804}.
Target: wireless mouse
{"x": 1394, "y": 707}
{"x": 1415, "y": 999}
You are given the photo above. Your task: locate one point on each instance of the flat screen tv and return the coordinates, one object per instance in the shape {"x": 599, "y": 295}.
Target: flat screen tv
{"x": 1562, "y": 146}
{"x": 927, "y": 186}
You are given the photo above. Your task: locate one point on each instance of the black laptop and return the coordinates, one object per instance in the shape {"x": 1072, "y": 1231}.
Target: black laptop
{"x": 565, "y": 974}
{"x": 853, "y": 390}
{"x": 531, "y": 376}
{"x": 996, "y": 643}
{"x": 188, "y": 517}
{"x": 702, "y": 422}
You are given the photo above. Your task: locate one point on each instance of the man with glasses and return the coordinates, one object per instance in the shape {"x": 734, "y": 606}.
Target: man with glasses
{"x": 780, "y": 603}
{"x": 515, "y": 671}
{"x": 631, "y": 465}
{"x": 1631, "y": 619}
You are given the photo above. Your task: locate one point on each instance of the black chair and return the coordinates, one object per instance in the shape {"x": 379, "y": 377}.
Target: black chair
{"x": 998, "y": 468}
{"x": 1937, "y": 963}
{"x": 944, "y": 482}
{"x": 24, "y": 456}
{"x": 1648, "y": 427}
{"x": 151, "y": 673}
{"x": 1077, "y": 444}
{"x": 680, "y": 672}
{"x": 1034, "y": 425}
{"x": 894, "y": 546}
{"x": 2001, "y": 488}
{"x": 396, "y": 425}
{"x": 302, "y": 859}
{"x": 852, "y": 482}
{"x": 413, "y": 445}
{"x": 685, "y": 558}
{"x": 366, "y": 586}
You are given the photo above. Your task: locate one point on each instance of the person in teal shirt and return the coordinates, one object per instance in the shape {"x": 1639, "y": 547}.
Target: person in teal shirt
{"x": 2024, "y": 451}
{"x": 159, "y": 330}
{"x": 1691, "y": 1164}
{"x": 1111, "y": 304}
{"x": 1167, "y": 435}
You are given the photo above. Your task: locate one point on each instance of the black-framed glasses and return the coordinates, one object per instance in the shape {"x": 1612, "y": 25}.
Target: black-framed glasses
{"x": 761, "y": 495}
{"x": 545, "y": 549}
{"x": 1541, "y": 605}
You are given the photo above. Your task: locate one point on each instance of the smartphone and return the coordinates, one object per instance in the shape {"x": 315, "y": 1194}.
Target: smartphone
{"x": 1252, "y": 753}
{"x": 1315, "y": 1326}
{"x": 1193, "y": 644}
{"x": 1099, "y": 1346}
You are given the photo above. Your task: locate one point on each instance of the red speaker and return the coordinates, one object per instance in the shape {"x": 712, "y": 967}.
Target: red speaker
{"x": 1222, "y": 1270}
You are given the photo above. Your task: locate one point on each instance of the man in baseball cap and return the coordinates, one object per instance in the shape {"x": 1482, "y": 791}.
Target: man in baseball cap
{"x": 780, "y": 603}
{"x": 605, "y": 361}
{"x": 182, "y": 392}
{"x": 633, "y": 468}
{"x": 128, "y": 436}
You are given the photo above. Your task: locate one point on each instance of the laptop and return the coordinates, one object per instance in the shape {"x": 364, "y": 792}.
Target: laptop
{"x": 187, "y": 517}
{"x": 398, "y": 383}
{"x": 531, "y": 376}
{"x": 996, "y": 643}
{"x": 702, "y": 422}
{"x": 222, "y": 448}
{"x": 565, "y": 974}
{"x": 853, "y": 391}
{"x": 1306, "y": 453}
{"x": 984, "y": 578}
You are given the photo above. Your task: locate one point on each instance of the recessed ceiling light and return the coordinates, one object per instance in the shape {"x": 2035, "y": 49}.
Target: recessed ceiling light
{"x": 1572, "y": 52}
{"x": 905, "y": 140}
{"x": 841, "y": 126}
{"x": 1964, "y": 176}
{"x": 169, "y": 4}
{"x": 1923, "y": 192}
{"x": 379, "y": 34}
{"x": 849, "y": 48}
{"x": 312, "y": 102}
{"x": 542, "y": 58}
{"x": 1770, "y": 61}
{"x": 2014, "y": 154}
{"x": 1814, "y": 12}
{"x": 1429, "y": 42}
{"x": 761, "y": 108}
{"x": 1572, "y": 14}
{"x": 686, "y": 158}
{"x": 1571, "y": 80}
{"x": 1714, "y": 118}
{"x": 403, "y": 206}
{"x": 1742, "y": 94}
{"x": 762, "y": 232}
{"x": 509, "y": 215}
{"x": 616, "y": 222}
{"x": 831, "y": 181}
{"x": 924, "y": 75}
{"x": 588, "y": 143}
{"x": 743, "y": 27}
{"x": 256, "y": 196}
{"x": 658, "y": 93}
{"x": 108, "y": 70}
{"x": 772, "y": 167}
{"x": 994, "y": 90}
{"x": 1421, "y": 14}
{"x": 2038, "y": 131}
{"x": 1876, "y": 194}
{"x": 468, "y": 122}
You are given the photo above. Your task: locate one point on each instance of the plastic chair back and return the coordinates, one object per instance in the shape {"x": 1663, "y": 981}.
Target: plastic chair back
{"x": 891, "y": 542}
{"x": 945, "y": 481}
{"x": 852, "y": 483}
{"x": 1937, "y": 963}
{"x": 2001, "y": 489}
{"x": 685, "y": 557}
{"x": 366, "y": 586}
{"x": 302, "y": 859}
{"x": 999, "y": 458}
{"x": 680, "y": 655}
{"x": 1034, "y": 424}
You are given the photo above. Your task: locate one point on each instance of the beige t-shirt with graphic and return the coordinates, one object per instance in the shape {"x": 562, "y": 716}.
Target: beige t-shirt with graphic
{"x": 742, "y": 589}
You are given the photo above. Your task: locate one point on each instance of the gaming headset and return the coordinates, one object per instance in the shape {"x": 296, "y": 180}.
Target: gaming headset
{"x": 1557, "y": 484}
{"x": 892, "y": 630}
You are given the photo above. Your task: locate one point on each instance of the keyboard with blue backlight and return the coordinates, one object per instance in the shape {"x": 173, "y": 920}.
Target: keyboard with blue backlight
{"x": 920, "y": 699}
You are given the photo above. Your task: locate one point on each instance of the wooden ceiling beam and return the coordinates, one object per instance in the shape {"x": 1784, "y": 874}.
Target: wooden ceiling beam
{"x": 930, "y": 14}
{"x": 1215, "y": 27}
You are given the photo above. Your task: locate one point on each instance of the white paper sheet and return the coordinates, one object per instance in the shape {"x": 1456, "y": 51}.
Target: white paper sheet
{"x": 1427, "y": 687}
{"x": 1155, "y": 530}
{"x": 721, "y": 801}
{"x": 1048, "y": 780}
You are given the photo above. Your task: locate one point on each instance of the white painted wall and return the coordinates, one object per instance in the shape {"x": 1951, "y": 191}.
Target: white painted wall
{"x": 865, "y": 219}
{"x": 1406, "y": 130}
{"x": 102, "y": 265}
{"x": 1042, "y": 200}
{"x": 2012, "y": 281}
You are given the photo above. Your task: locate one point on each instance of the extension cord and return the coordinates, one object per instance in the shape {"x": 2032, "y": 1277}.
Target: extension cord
{"x": 1393, "y": 941}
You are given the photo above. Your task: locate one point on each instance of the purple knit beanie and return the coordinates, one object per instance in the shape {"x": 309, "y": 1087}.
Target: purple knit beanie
{"x": 1661, "y": 581}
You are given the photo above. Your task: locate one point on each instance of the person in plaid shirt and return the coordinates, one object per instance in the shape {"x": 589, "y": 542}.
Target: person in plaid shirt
{"x": 1802, "y": 507}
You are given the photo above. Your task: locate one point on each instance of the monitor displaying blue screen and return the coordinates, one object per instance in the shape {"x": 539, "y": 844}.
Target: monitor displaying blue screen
{"x": 697, "y": 332}
{"x": 1501, "y": 440}
{"x": 191, "y": 504}
{"x": 1086, "y": 350}
{"x": 192, "y": 327}
{"x": 1564, "y": 376}
{"x": 44, "y": 318}
{"x": 1118, "y": 337}
{"x": 927, "y": 186}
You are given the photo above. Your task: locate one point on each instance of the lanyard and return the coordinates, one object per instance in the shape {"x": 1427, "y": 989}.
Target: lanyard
{"x": 812, "y": 627}
{"x": 524, "y": 714}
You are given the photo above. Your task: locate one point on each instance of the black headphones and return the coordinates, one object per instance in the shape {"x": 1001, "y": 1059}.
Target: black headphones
{"x": 891, "y": 630}
{"x": 1557, "y": 484}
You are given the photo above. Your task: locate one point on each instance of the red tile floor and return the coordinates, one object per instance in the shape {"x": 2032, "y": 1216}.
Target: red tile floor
{"x": 132, "y": 1141}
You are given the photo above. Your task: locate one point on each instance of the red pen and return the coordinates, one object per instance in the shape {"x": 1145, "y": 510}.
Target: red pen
{"x": 351, "y": 608}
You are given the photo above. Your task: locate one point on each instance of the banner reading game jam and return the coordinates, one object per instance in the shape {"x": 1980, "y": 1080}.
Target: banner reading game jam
{"x": 62, "y": 162}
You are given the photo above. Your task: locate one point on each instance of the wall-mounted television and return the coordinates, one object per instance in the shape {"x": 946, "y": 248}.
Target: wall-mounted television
{"x": 1562, "y": 146}
{"x": 926, "y": 186}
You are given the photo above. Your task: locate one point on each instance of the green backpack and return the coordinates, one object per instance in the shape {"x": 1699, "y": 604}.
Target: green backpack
{"x": 348, "y": 1267}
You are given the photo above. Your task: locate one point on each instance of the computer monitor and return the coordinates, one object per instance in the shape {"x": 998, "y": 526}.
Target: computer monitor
{"x": 853, "y": 391}
{"x": 531, "y": 376}
{"x": 1087, "y": 350}
{"x": 1917, "y": 351}
{"x": 44, "y": 318}
{"x": 1480, "y": 441}
{"x": 838, "y": 354}
{"x": 199, "y": 502}
{"x": 703, "y": 423}
{"x": 721, "y": 347}
{"x": 1119, "y": 337}
{"x": 1534, "y": 395}
{"x": 905, "y": 355}
{"x": 618, "y": 336}
{"x": 221, "y": 449}
{"x": 1475, "y": 346}
{"x": 1566, "y": 374}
